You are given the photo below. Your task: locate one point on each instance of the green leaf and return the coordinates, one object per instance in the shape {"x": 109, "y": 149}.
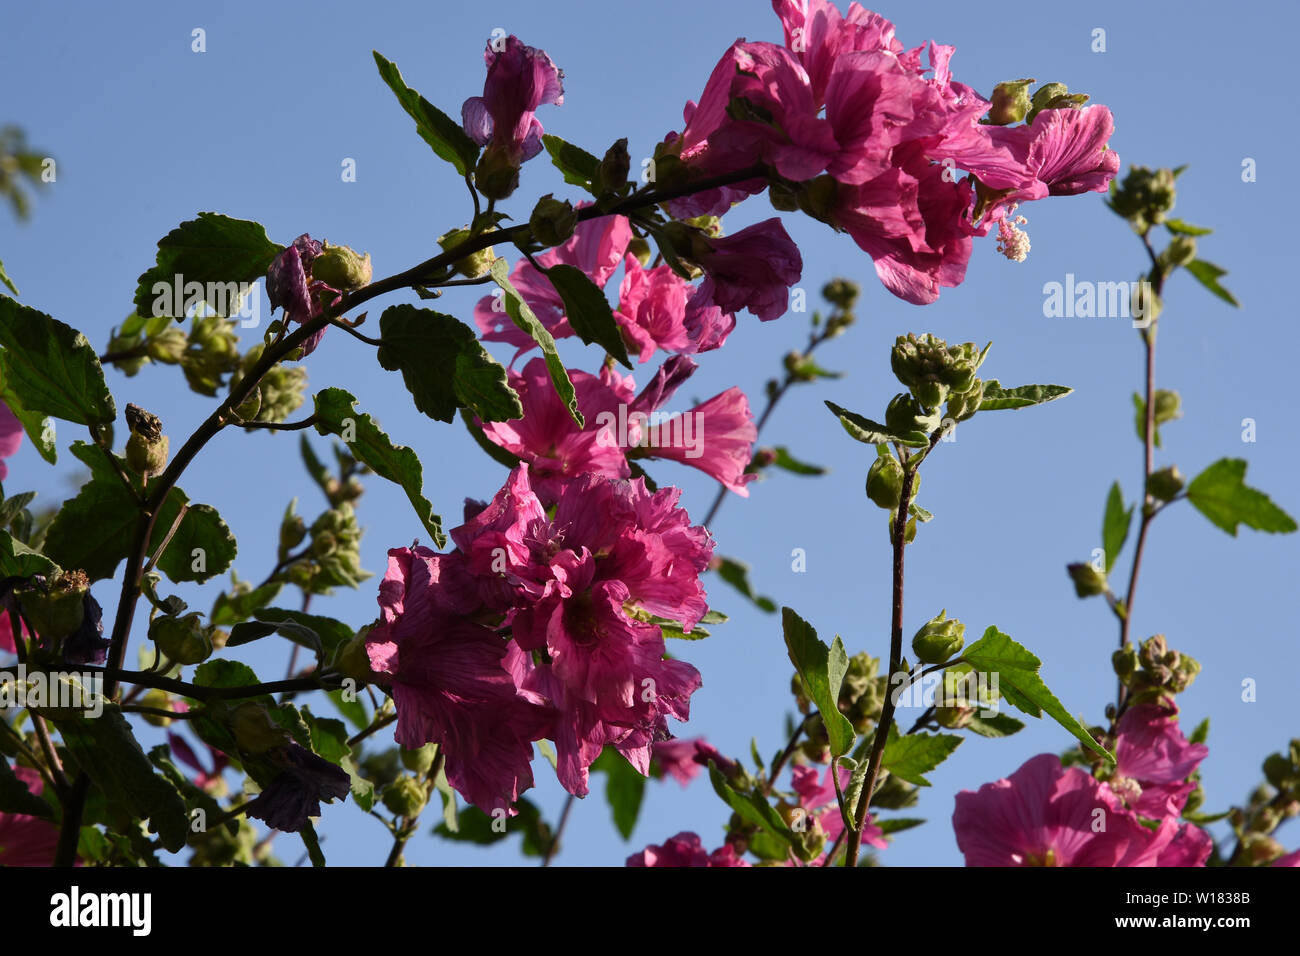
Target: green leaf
{"x": 578, "y": 166}
{"x": 15, "y": 797}
{"x": 336, "y": 414}
{"x": 1019, "y": 683}
{"x": 51, "y": 369}
{"x": 999, "y": 725}
{"x": 522, "y": 316}
{"x": 443, "y": 134}
{"x": 788, "y": 462}
{"x": 910, "y": 757}
{"x": 588, "y": 310}
{"x": 822, "y": 669}
{"x": 443, "y": 365}
{"x": 353, "y": 709}
{"x": 1115, "y": 525}
{"x": 39, "y": 428}
{"x": 736, "y": 573}
{"x": 1221, "y": 494}
{"x": 752, "y": 808}
{"x": 1200, "y": 733}
{"x": 95, "y": 530}
{"x": 105, "y": 750}
{"x": 331, "y": 632}
{"x": 213, "y": 250}
{"x": 232, "y": 608}
{"x": 997, "y": 397}
{"x": 897, "y": 824}
{"x": 19, "y": 561}
{"x": 624, "y": 789}
{"x": 9, "y": 283}
{"x": 873, "y": 433}
{"x": 475, "y": 826}
{"x": 1207, "y": 274}
{"x": 1186, "y": 228}
{"x": 310, "y": 841}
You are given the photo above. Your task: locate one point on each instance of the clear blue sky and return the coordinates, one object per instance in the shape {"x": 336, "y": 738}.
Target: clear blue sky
{"x": 148, "y": 133}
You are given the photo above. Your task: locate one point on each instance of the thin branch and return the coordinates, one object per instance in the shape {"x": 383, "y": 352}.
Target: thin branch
{"x": 554, "y": 845}
{"x": 350, "y": 330}
{"x": 51, "y": 755}
{"x": 285, "y": 426}
{"x": 167, "y": 539}
{"x": 377, "y": 726}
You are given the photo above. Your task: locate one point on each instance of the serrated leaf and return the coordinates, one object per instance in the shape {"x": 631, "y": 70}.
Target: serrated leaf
{"x": 1019, "y": 683}
{"x": 753, "y": 808}
{"x": 588, "y": 310}
{"x": 105, "y": 750}
{"x": 40, "y": 428}
{"x": 353, "y": 709}
{"x": 1186, "y": 228}
{"x": 873, "y": 433}
{"x": 736, "y": 573}
{"x": 523, "y": 317}
{"x": 1207, "y": 274}
{"x": 51, "y": 369}
{"x": 822, "y": 670}
{"x": 210, "y": 249}
{"x": 336, "y": 414}
{"x": 578, "y": 166}
{"x": 996, "y": 397}
{"x": 331, "y": 632}
{"x": 912, "y": 756}
{"x": 1221, "y": 494}
{"x": 19, "y": 561}
{"x": 999, "y": 725}
{"x": 94, "y": 531}
{"x": 624, "y": 789}
{"x": 787, "y": 462}
{"x": 443, "y": 365}
{"x": 444, "y": 135}
{"x": 230, "y": 608}
{"x": 1114, "y": 525}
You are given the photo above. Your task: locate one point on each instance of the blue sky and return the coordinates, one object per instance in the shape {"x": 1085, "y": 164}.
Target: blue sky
{"x": 147, "y": 133}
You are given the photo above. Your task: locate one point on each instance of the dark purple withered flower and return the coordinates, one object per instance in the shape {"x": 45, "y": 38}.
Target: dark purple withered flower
{"x": 296, "y": 792}
{"x": 87, "y": 644}
{"x": 289, "y": 286}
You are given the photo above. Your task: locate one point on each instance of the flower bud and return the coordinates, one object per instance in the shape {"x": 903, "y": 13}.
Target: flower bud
{"x": 818, "y": 197}
{"x": 352, "y": 660}
{"x": 639, "y": 248}
{"x": 254, "y": 730}
{"x": 783, "y": 197}
{"x": 953, "y": 718}
{"x": 184, "y": 640}
{"x": 292, "y": 532}
{"x": 147, "y": 457}
{"x": 1165, "y": 484}
{"x": 962, "y": 405}
{"x": 1125, "y": 662}
{"x": 1088, "y": 581}
{"x": 404, "y": 797}
{"x": 885, "y": 482}
{"x": 167, "y": 346}
{"x": 1168, "y": 405}
{"x": 496, "y": 175}
{"x": 939, "y": 639}
{"x": 1010, "y": 102}
{"x": 553, "y": 220}
{"x": 419, "y": 761}
{"x": 159, "y": 700}
{"x": 1259, "y": 849}
{"x": 476, "y": 264}
{"x": 1054, "y": 96}
{"x": 1279, "y": 771}
{"x": 611, "y": 176}
{"x": 842, "y": 293}
{"x": 57, "y": 610}
{"x": 341, "y": 268}
{"x": 1180, "y": 251}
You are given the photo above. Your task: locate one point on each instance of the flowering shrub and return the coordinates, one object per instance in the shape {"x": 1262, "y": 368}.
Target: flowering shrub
{"x": 540, "y": 624}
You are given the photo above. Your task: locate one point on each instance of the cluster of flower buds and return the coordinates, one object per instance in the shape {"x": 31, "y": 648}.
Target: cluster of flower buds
{"x": 1144, "y": 197}
{"x": 334, "y": 556}
{"x": 937, "y": 372}
{"x": 1268, "y": 806}
{"x": 1155, "y": 670}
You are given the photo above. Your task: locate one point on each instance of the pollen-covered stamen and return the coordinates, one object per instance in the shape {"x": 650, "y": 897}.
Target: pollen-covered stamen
{"x": 1013, "y": 242}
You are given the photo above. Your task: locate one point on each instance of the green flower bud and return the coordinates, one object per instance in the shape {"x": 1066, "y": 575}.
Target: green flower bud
{"x": 159, "y": 700}
{"x": 147, "y": 457}
{"x": 404, "y": 797}
{"x": 292, "y": 532}
{"x": 1054, "y": 96}
{"x": 842, "y": 293}
{"x": 1180, "y": 251}
{"x": 352, "y": 660}
{"x": 905, "y": 414}
{"x": 962, "y": 405}
{"x": 57, "y": 610}
{"x": 281, "y": 389}
{"x": 1168, "y": 405}
{"x": 1088, "y": 581}
{"x": 1185, "y": 672}
{"x": 342, "y": 268}
{"x": 496, "y": 175}
{"x": 553, "y": 220}
{"x": 939, "y": 639}
{"x": 954, "y": 718}
{"x": 641, "y": 249}
{"x": 1165, "y": 484}
{"x": 611, "y": 176}
{"x": 1260, "y": 850}
{"x": 1125, "y": 662}
{"x": 1154, "y": 651}
{"x": 1279, "y": 771}
{"x": 183, "y": 639}
{"x": 818, "y": 197}
{"x": 167, "y": 346}
{"x": 254, "y": 730}
{"x": 1010, "y": 102}
{"x": 885, "y": 482}
{"x": 783, "y": 197}
{"x": 476, "y": 264}
{"x": 419, "y": 761}
{"x": 1144, "y": 197}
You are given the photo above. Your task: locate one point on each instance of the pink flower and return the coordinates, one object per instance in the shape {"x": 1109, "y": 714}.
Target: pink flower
{"x": 685, "y": 849}
{"x": 520, "y": 79}
{"x": 26, "y": 840}
{"x": 596, "y": 247}
{"x": 11, "y": 436}
{"x": 1153, "y": 762}
{"x": 1047, "y": 815}
{"x": 656, "y": 310}
{"x": 818, "y": 34}
{"x": 449, "y": 683}
{"x": 817, "y": 796}
{"x": 752, "y": 269}
{"x": 676, "y": 758}
{"x": 716, "y": 437}
{"x": 7, "y": 631}
{"x": 1291, "y": 859}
